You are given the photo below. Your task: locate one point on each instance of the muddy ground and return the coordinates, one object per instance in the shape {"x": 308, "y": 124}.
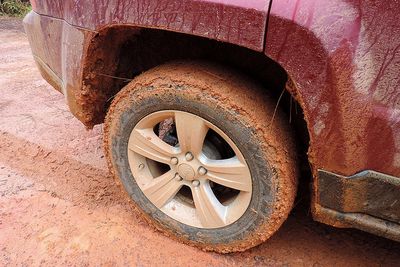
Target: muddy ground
{"x": 59, "y": 205}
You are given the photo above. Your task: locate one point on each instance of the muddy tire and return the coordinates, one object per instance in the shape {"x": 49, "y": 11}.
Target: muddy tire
{"x": 234, "y": 109}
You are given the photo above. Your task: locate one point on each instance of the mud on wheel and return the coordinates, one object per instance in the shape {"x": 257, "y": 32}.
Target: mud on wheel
{"x": 195, "y": 147}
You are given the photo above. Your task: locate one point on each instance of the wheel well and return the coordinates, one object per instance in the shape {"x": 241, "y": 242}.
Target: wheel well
{"x": 117, "y": 54}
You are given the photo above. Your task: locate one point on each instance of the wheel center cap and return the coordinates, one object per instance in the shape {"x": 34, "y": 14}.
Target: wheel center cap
{"x": 186, "y": 172}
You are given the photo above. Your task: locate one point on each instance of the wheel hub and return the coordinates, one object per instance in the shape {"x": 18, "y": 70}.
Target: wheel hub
{"x": 194, "y": 164}
{"x": 186, "y": 172}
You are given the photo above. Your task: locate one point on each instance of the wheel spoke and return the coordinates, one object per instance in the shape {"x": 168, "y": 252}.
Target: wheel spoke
{"x": 210, "y": 211}
{"x": 146, "y": 143}
{"x": 230, "y": 173}
{"x": 191, "y": 132}
{"x": 162, "y": 189}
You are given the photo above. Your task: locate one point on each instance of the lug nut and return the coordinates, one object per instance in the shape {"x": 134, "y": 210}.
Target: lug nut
{"x": 178, "y": 177}
{"x": 141, "y": 166}
{"x": 189, "y": 156}
{"x": 195, "y": 183}
{"x": 174, "y": 161}
{"x": 202, "y": 171}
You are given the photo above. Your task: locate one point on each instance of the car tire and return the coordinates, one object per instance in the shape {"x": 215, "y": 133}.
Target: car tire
{"x": 234, "y": 106}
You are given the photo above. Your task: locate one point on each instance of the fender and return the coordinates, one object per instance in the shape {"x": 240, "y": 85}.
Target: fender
{"x": 238, "y": 22}
{"x": 65, "y": 30}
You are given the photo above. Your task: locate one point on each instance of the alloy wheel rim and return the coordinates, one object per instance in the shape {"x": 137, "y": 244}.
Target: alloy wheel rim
{"x": 190, "y": 181}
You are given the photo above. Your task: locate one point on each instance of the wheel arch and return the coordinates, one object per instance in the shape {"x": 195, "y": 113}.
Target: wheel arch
{"x": 111, "y": 59}
{"x": 117, "y": 54}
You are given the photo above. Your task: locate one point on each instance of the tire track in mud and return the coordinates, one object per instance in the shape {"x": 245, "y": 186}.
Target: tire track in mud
{"x": 79, "y": 183}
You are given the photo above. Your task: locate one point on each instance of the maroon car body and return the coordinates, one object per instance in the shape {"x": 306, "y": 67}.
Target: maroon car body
{"x": 342, "y": 59}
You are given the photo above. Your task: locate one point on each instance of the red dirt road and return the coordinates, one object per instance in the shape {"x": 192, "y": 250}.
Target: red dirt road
{"x": 59, "y": 205}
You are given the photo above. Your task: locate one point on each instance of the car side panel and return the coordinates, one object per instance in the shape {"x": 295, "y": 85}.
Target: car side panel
{"x": 344, "y": 58}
